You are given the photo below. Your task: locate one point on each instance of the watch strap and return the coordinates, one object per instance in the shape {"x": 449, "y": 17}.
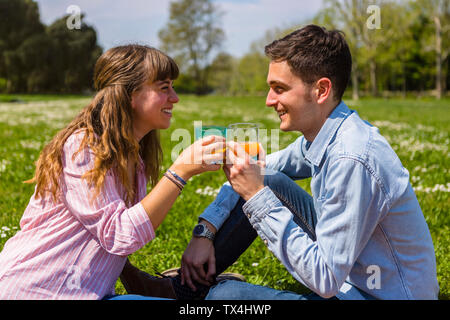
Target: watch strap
{"x": 206, "y": 232}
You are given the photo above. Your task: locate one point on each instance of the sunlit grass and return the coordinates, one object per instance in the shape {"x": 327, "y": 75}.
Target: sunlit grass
{"x": 416, "y": 129}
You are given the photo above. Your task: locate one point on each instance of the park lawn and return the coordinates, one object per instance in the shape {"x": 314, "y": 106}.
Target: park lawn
{"x": 416, "y": 129}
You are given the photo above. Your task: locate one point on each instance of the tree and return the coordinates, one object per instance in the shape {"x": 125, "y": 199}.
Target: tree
{"x": 250, "y": 71}
{"x": 438, "y": 12}
{"x": 331, "y": 17}
{"x": 389, "y": 52}
{"x": 351, "y": 16}
{"x": 74, "y": 55}
{"x": 19, "y": 20}
{"x": 191, "y": 36}
{"x": 251, "y": 74}
{"x": 221, "y": 72}
{"x": 35, "y": 58}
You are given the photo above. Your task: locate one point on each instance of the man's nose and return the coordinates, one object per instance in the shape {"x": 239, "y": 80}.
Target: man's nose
{"x": 271, "y": 99}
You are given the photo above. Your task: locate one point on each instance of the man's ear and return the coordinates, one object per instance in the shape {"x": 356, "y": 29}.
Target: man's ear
{"x": 323, "y": 90}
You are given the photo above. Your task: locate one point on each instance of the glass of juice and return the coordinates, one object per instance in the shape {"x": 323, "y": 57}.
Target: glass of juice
{"x": 246, "y": 134}
{"x": 209, "y": 130}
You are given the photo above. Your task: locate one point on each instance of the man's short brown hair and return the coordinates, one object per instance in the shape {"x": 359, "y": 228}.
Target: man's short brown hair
{"x": 313, "y": 52}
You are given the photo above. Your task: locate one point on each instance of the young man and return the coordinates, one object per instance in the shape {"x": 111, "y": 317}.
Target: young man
{"x": 361, "y": 235}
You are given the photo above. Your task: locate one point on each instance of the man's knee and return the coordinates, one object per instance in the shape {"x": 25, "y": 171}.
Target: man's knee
{"x": 275, "y": 178}
{"x": 224, "y": 290}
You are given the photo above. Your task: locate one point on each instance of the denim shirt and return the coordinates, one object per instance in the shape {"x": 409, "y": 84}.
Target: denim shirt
{"x": 372, "y": 238}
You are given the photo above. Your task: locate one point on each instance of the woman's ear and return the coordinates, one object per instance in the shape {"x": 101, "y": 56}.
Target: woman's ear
{"x": 323, "y": 90}
{"x": 133, "y": 98}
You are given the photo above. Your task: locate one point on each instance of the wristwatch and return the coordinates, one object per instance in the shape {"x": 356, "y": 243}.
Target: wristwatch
{"x": 201, "y": 230}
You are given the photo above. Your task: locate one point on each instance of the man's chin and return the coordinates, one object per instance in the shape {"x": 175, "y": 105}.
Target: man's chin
{"x": 285, "y": 128}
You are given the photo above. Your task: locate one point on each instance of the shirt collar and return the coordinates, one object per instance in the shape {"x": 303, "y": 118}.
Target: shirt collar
{"x": 317, "y": 149}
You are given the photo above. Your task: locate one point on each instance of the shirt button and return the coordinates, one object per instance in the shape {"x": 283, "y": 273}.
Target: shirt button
{"x": 265, "y": 242}
{"x": 249, "y": 215}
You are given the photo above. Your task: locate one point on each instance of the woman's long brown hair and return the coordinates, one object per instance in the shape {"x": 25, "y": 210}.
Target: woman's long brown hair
{"x": 107, "y": 123}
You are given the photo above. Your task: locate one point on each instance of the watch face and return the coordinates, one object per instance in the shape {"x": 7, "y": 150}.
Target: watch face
{"x": 199, "y": 229}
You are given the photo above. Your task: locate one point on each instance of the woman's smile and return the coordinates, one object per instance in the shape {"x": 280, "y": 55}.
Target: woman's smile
{"x": 168, "y": 112}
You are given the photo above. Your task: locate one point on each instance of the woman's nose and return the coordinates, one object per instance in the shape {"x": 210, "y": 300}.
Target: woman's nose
{"x": 173, "y": 96}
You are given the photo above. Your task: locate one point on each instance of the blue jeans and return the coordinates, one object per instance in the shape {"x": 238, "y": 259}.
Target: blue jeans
{"x": 237, "y": 290}
{"x": 237, "y": 234}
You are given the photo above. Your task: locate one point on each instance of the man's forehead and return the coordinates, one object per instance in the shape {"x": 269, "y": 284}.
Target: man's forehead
{"x": 280, "y": 73}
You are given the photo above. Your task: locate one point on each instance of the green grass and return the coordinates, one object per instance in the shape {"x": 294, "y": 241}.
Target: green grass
{"x": 417, "y": 130}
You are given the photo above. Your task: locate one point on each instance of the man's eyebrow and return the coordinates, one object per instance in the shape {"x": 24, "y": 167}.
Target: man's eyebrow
{"x": 164, "y": 82}
{"x": 276, "y": 82}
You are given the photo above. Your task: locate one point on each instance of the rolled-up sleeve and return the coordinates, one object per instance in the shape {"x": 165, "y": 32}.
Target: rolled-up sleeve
{"x": 118, "y": 229}
{"x": 219, "y": 210}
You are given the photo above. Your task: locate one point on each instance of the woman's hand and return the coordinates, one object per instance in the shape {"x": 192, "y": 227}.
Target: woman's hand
{"x": 203, "y": 155}
{"x": 245, "y": 175}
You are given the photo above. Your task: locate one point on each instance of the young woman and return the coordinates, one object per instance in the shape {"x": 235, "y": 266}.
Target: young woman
{"x": 90, "y": 208}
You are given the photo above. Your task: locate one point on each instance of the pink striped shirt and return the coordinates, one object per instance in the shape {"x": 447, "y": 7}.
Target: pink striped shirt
{"x": 75, "y": 248}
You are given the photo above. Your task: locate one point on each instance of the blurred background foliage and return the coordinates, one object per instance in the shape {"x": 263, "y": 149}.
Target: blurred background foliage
{"x": 406, "y": 56}
{"x": 35, "y": 58}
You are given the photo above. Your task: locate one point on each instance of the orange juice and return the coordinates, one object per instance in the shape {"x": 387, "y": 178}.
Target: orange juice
{"x": 252, "y": 148}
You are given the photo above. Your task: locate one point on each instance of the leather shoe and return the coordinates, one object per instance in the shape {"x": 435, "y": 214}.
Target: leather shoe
{"x": 139, "y": 282}
{"x": 221, "y": 277}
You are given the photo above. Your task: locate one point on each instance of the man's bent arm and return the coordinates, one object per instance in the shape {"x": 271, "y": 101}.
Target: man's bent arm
{"x": 347, "y": 218}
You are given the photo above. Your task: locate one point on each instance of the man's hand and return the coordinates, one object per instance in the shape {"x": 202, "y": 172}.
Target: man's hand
{"x": 200, "y": 251}
{"x": 244, "y": 174}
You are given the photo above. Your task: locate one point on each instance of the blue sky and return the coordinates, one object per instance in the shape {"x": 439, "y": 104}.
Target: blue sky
{"x": 123, "y": 21}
